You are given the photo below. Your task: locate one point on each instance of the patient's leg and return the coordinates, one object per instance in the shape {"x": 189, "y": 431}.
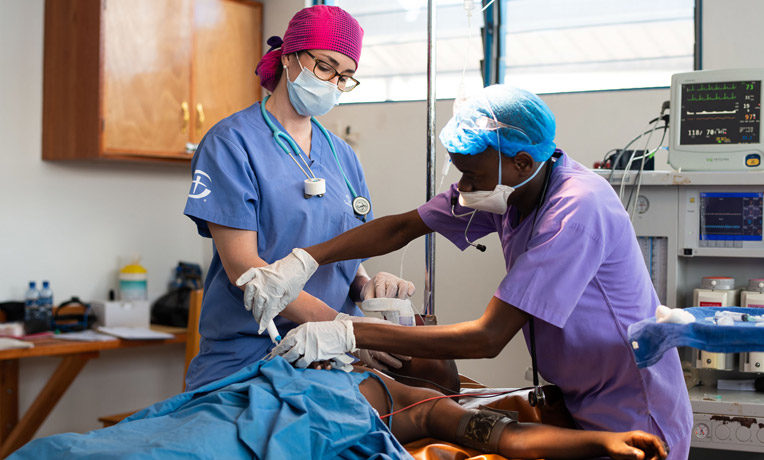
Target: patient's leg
{"x": 440, "y": 419}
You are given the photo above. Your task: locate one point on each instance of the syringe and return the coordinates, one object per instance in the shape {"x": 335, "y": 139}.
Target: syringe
{"x": 273, "y": 332}
{"x": 737, "y": 316}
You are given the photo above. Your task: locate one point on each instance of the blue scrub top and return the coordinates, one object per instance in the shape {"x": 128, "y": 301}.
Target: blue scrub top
{"x": 243, "y": 179}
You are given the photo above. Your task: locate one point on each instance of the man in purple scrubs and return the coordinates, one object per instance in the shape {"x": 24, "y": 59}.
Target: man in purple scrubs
{"x": 573, "y": 266}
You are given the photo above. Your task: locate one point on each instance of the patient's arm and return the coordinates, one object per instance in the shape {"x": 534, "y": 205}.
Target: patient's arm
{"x": 437, "y": 374}
{"x": 439, "y": 419}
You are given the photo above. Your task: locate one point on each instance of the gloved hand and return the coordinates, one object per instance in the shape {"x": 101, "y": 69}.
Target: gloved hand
{"x": 343, "y": 362}
{"x": 374, "y": 358}
{"x": 381, "y": 360}
{"x": 272, "y": 287}
{"x": 319, "y": 341}
{"x": 385, "y": 284}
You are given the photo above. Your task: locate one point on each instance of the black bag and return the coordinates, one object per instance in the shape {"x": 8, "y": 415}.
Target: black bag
{"x": 12, "y": 311}
{"x": 172, "y": 308}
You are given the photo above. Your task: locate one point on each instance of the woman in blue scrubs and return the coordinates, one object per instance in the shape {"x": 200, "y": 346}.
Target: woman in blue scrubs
{"x": 249, "y": 194}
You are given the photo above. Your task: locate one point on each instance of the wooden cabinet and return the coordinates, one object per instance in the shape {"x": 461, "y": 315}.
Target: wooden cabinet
{"x": 145, "y": 79}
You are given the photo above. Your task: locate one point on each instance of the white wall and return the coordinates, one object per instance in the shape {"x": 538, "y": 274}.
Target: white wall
{"x": 71, "y": 222}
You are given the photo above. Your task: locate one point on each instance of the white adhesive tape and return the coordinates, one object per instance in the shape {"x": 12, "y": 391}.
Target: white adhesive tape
{"x": 399, "y": 311}
{"x": 315, "y": 187}
{"x": 385, "y": 304}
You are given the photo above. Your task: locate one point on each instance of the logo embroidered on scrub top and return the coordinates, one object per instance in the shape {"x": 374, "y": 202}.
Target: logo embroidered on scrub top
{"x": 200, "y": 189}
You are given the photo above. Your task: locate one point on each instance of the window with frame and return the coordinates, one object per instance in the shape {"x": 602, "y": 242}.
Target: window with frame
{"x": 545, "y": 46}
{"x": 393, "y": 63}
{"x": 553, "y": 46}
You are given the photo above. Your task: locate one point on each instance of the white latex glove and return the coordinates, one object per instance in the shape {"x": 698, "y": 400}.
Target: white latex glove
{"x": 381, "y": 360}
{"x": 319, "y": 341}
{"x": 374, "y": 358}
{"x": 272, "y": 287}
{"x": 343, "y": 362}
{"x": 385, "y": 284}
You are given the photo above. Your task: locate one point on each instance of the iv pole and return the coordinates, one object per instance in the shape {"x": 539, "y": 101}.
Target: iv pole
{"x": 429, "y": 242}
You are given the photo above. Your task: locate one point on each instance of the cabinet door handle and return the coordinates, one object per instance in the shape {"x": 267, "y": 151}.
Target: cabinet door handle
{"x": 186, "y": 115}
{"x": 199, "y": 115}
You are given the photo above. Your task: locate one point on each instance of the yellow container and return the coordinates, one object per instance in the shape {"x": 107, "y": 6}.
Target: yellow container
{"x": 133, "y": 282}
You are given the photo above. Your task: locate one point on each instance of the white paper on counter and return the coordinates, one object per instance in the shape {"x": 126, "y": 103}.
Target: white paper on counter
{"x": 88, "y": 335}
{"x": 135, "y": 333}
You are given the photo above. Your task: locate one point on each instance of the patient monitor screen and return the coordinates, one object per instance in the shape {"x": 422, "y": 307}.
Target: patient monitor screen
{"x": 731, "y": 216}
{"x": 720, "y": 113}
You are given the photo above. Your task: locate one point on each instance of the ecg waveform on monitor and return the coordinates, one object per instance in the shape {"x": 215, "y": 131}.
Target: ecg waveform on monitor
{"x": 720, "y": 113}
{"x": 712, "y": 87}
{"x": 731, "y": 216}
{"x": 712, "y": 97}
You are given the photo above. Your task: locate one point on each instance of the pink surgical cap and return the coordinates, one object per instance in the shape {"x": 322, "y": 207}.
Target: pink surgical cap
{"x": 319, "y": 27}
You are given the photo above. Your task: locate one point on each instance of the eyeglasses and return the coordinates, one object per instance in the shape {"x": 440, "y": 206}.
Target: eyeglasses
{"x": 326, "y": 72}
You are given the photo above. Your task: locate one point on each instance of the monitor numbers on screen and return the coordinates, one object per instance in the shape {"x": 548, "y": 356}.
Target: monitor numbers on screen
{"x": 720, "y": 113}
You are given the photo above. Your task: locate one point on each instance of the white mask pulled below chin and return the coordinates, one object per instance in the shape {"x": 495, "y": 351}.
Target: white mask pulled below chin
{"x": 495, "y": 200}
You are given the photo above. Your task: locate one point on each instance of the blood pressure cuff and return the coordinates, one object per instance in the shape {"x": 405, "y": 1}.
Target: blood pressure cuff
{"x": 481, "y": 428}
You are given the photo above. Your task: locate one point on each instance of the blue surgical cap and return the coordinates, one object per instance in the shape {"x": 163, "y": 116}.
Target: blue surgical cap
{"x": 508, "y": 119}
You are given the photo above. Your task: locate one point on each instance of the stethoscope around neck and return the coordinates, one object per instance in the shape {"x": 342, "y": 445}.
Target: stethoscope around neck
{"x": 314, "y": 186}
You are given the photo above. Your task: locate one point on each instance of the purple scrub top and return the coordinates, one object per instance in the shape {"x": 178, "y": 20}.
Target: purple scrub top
{"x": 583, "y": 277}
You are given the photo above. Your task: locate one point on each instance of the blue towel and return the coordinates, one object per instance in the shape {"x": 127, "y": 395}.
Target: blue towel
{"x": 268, "y": 410}
{"x": 650, "y": 340}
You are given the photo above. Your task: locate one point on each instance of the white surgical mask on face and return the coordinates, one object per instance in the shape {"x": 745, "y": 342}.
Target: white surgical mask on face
{"x": 309, "y": 95}
{"x": 495, "y": 200}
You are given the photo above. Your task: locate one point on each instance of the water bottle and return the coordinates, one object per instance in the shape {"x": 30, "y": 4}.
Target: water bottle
{"x": 45, "y": 304}
{"x": 31, "y": 303}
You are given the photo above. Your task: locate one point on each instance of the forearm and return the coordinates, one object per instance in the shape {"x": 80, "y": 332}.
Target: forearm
{"x": 308, "y": 308}
{"x": 524, "y": 440}
{"x": 466, "y": 340}
{"x": 380, "y": 236}
{"x": 304, "y": 308}
{"x": 519, "y": 440}
{"x": 484, "y": 337}
{"x": 238, "y": 253}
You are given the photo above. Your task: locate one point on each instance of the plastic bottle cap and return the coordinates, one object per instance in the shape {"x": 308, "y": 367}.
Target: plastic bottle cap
{"x": 718, "y": 282}
{"x": 133, "y": 268}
